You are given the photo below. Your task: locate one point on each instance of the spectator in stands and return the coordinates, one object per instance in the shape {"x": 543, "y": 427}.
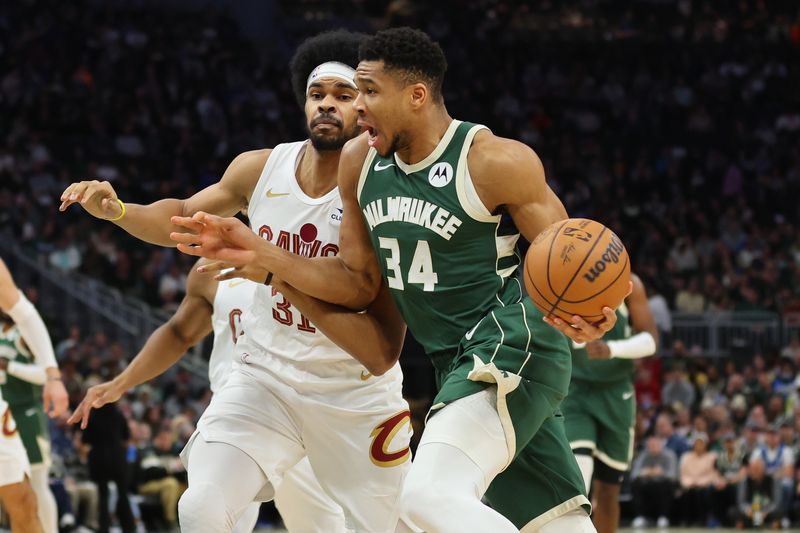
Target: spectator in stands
{"x": 758, "y": 498}
{"x": 654, "y": 477}
{"x": 160, "y": 473}
{"x": 731, "y": 470}
{"x": 677, "y": 391}
{"x": 106, "y": 437}
{"x": 783, "y": 383}
{"x": 792, "y": 350}
{"x": 698, "y": 476}
{"x": 661, "y": 313}
{"x": 749, "y": 441}
{"x": 690, "y": 299}
{"x": 778, "y": 461}
{"x": 673, "y": 441}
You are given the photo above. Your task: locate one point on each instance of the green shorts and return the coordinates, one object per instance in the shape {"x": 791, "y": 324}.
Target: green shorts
{"x": 600, "y": 417}
{"x": 32, "y": 426}
{"x": 542, "y": 483}
{"x": 530, "y": 363}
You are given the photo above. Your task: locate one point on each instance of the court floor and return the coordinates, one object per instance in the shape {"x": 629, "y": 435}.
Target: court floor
{"x": 638, "y": 530}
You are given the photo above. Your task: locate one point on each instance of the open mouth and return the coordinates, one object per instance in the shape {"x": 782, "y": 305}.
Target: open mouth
{"x": 372, "y": 133}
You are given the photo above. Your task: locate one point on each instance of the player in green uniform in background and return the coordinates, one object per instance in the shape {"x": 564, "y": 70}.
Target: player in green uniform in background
{"x": 442, "y": 204}
{"x": 22, "y": 389}
{"x": 600, "y": 410}
{"x": 25, "y": 491}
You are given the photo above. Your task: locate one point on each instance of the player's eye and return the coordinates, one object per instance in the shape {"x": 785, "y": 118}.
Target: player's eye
{"x": 345, "y": 97}
{"x": 370, "y": 90}
{"x": 315, "y": 96}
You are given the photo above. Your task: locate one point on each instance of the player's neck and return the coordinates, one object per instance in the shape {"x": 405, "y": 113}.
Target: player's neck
{"x": 316, "y": 174}
{"x": 425, "y": 137}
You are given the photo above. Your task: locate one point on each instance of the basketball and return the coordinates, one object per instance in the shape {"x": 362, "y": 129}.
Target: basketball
{"x": 577, "y": 267}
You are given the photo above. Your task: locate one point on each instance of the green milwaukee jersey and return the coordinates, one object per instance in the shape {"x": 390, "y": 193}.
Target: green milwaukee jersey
{"x": 605, "y": 370}
{"x": 447, "y": 260}
{"x": 15, "y": 390}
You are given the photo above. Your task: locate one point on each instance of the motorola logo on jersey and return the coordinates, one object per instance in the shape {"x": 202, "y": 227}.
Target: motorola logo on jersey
{"x": 382, "y": 435}
{"x": 304, "y": 242}
{"x": 440, "y": 174}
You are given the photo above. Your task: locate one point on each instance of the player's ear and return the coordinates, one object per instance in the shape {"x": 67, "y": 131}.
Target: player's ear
{"x": 419, "y": 94}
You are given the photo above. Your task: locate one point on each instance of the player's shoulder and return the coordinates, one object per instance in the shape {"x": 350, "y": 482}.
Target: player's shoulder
{"x": 496, "y": 158}
{"x": 356, "y": 149}
{"x": 252, "y": 160}
{"x": 491, "y": 153}
{"x": 352, "y": 158}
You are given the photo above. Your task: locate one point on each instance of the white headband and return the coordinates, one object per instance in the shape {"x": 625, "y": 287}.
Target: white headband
{"x": 333, "y": 69}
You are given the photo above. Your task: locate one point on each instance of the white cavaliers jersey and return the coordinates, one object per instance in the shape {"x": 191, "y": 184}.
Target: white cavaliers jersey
{"x": 285, "y": 342}
{"x": 233, "y": 297}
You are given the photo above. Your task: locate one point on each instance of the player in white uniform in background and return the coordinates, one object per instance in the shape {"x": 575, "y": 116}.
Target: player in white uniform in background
{"x": 16, "y": 493}
{"x": 210, "y": 306}
{"x": 295, "y": 393}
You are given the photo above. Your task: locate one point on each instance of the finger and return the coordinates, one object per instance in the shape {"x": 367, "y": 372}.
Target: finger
{"x": 188, "y": 222}
{"x": 579, "y": 323}
{"x": 70, "y": 190}
{"x": 236, "y": 272}
{"x": 100, "y": 400}
{"x": 92, "y": 191}
{"x": 79, "y": 190}
{"x": 210, "y": 268}
{"x": 196, "y": 251}
{"x": 610, "y": 318}
{"x": 186, "y": 238}
{"x": 85, "y": 416}
{"x": 209, "y": 219}
{"x": 76, "y": 415}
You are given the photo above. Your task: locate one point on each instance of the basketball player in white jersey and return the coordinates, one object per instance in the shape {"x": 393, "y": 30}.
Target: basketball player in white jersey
{"x": 295, "y": 393}
{"x": 217, "y": 307}
{"x": 16, "y": 493}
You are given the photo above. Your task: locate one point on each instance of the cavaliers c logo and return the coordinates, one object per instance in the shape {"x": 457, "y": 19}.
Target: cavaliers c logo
{"x": 9, "y": 427}
{"x": 382, "y": 436}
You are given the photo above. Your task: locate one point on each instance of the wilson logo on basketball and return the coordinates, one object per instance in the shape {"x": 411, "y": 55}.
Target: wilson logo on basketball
{"x": 382, "y": 436}
{"x": 611, "y": 255}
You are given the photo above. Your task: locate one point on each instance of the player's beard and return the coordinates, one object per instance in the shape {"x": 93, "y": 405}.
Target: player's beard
{"x": 323, "y": 143}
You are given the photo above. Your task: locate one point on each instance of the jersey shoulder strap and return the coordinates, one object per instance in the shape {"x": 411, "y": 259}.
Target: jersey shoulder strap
{"x": 283, "y": 156}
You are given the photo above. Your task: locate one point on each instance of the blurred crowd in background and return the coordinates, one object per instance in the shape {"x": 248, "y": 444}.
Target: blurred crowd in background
{"x": 674, "y": 122}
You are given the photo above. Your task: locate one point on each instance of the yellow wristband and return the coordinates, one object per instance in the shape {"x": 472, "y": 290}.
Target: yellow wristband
{"x": 122, "y": 214}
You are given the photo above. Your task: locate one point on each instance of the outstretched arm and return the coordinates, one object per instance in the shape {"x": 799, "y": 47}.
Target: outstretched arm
{"x": 188, "y": 326}
{"x": 351, "y": 279}
{"x": 509, "y": 175}
{"x": 151, "y": 223}
{"x": 374, "y": 337}
{"x": 34, "y": 332}
{"x": 643, "y": 343}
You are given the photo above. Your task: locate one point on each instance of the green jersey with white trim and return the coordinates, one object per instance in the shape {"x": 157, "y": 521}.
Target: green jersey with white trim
{"x": 17, "y": 391}
{"x": 447, "y": 261}
{"x": 605, "y": 370}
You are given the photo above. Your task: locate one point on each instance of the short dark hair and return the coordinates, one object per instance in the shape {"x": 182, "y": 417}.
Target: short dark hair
{"x": 411, "y": 51}
{"x": 336, "y": 45}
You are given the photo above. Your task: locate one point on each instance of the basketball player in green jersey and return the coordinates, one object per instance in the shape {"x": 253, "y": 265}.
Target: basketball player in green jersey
{"x": 23, "y": 392}
{"x": 600, "y": 409}
{"x": 432, "y": 193}
{"x": 20, "y": 486}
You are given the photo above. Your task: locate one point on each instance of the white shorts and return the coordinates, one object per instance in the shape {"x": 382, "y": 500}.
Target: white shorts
{"x": 360, "y": 456}
{"x": 14, "y": 465}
